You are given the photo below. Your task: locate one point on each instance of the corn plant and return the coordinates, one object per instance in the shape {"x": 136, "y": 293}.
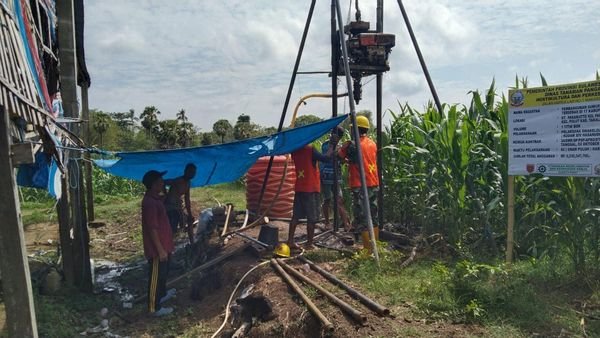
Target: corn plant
{"x": 445, "y": 172}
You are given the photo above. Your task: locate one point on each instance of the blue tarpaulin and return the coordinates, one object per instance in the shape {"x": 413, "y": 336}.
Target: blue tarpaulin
{"x": 216, "y": 163}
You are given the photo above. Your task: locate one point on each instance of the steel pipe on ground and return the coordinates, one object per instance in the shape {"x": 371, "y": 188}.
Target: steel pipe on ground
{"x": 327, "y": 325}
{"x": 374, "y": 306}
{"x": 355, "y": 314}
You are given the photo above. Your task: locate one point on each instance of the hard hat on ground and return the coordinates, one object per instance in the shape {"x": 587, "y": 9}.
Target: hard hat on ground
{"x": 362, "y": 121}
{"x": 282, "y": 250}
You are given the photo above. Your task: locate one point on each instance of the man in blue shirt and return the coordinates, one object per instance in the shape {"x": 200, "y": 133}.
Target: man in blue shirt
{"x": 327, "y": 184}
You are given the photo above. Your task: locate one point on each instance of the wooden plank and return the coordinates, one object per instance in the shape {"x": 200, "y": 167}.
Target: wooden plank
{"x": 13, "y": 56}
{"x": 3, "y": 51}
{"x": 16, "y": 282}
{"x": 14, "y": 65}
{"x": 26, "y": 82}
{"x": 6, "y": 42}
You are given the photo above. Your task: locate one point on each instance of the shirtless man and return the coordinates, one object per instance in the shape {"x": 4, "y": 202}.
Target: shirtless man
{"x": 179, "y": 187}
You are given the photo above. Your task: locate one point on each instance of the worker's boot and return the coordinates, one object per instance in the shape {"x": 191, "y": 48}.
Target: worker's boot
{"x": 366, "y": 240}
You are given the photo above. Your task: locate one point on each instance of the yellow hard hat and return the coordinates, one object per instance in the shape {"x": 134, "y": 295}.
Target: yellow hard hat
{"x": 362, "y": 121}
{"x": 282, "y": 250}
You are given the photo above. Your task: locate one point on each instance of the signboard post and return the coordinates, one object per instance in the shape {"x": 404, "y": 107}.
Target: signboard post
{"x": 553, "y": 131}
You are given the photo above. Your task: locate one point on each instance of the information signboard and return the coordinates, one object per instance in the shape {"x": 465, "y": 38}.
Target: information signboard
{"x": 555, "y": 130}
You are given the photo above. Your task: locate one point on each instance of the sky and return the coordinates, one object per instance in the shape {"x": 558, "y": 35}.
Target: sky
{"x": 219, "y": 59}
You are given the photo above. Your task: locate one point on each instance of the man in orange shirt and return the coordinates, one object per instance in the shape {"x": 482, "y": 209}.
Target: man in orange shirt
{"x": 369, "y": 155}
{"x": 307, "y": 190}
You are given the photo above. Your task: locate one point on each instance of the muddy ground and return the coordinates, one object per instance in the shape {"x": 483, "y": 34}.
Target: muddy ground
{"x": 121, "y": 273}
{"x": 201, "y": 300}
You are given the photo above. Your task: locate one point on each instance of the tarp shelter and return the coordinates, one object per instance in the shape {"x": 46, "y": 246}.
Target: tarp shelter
{"x": 216, "y": 163}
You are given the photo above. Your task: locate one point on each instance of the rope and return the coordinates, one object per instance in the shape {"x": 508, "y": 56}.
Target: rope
{"x": 74, "y": 174}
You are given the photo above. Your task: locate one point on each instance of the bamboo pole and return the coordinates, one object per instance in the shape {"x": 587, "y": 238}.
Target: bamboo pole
{"x": 355, "y": 314}
{"x": 327, "y": 325}
{"x": 510, "y": 240}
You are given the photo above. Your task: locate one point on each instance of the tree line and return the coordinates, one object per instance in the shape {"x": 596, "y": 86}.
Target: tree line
{"x": 128, "y": 131}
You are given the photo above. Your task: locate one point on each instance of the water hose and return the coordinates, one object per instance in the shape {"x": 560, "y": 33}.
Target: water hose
{"x": 227, "y": 310}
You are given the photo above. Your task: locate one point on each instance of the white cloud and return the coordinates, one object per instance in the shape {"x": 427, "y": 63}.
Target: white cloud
{"x": 219, "y": 59}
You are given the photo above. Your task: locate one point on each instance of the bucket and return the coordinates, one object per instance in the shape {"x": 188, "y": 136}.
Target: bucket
{"x": 269, "y": 235}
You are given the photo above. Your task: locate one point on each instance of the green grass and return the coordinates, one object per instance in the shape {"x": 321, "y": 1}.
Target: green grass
{"x": 68, "y": 313}
{"x": 37, "y": 212}
{"x": 119, "y": 208}
{"x": 199, "y": 330}
{"x": 224, "y": 193}
{"x": 507, "y": 302}
{"x": 323, "y": 255}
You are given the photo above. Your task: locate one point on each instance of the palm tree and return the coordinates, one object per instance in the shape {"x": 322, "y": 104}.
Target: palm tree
{"x": 181, "y": 117}
{"x": 222, "y": 128}
{"x": 133, "y": 119}
{"x": 101, "y": 124}
{"x": 150, "y": 119}
{"x": 243, "y": 128}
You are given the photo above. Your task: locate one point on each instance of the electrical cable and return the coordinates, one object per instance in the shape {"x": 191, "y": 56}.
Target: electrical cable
{"x": 227, "y": 307}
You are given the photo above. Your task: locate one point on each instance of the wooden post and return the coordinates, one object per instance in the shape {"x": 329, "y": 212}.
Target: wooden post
{"x": 68, "y": 87}
{"x": 511, "y": 219}
{"x": 85, "y": 112}
{"x": 64, "y": 230}
{"x": 16, "y": 282}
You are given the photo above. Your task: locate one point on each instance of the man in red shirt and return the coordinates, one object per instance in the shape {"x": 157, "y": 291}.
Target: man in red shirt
{"x": 307, "y": 191}
{"x": 369, "y": 155}
{"x": 158, "y": 242}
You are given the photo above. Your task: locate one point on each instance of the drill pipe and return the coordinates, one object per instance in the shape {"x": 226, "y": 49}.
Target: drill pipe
{"x": 376, "y": 307}
{"x": 327, "y": 325}
{"x": 355, "y": 314}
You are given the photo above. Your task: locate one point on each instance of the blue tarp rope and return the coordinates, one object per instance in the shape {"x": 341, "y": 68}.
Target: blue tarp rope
{"x": 216, "y": 163}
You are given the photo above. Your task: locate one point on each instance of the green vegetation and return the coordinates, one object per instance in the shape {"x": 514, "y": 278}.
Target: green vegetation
{"x": 449, "y": 172}
{"x": 529, "y": 297}
{"x": 66, "y": 315}
{"x": 124, "y": 131}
